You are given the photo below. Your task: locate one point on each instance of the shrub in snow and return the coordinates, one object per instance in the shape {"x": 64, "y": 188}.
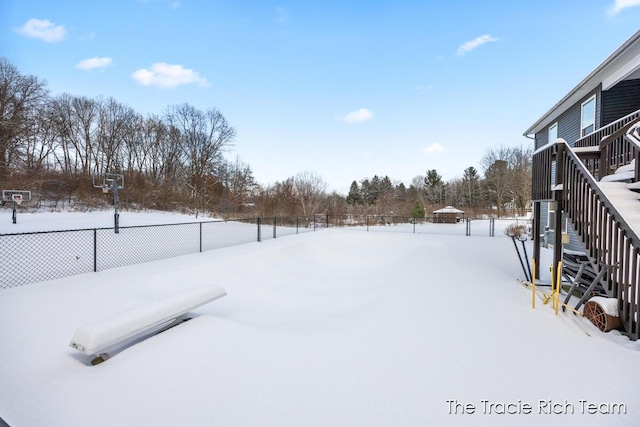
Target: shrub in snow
{"x": 516, "y": 230}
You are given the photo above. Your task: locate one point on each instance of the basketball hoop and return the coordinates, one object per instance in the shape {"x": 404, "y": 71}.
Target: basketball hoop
{"x": 17, "y": 198}
{"x": 114, "y": 182}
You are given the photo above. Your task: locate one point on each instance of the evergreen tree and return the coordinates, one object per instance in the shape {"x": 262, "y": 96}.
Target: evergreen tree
{"x": 433, "y": 179}
{"x": 354, "y": 197}
{"x": 401, "y": 192}
{"x": 374, "y": 189}
{"x": 369, "y": 190}
{"x": 418, "y": 210}
{"x": 471, "y": 186}
{"x": 386, "y": 188}
{"x": 434, "y": 186}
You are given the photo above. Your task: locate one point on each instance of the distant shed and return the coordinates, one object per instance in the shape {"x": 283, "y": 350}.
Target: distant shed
{"x": 447, "y": 215}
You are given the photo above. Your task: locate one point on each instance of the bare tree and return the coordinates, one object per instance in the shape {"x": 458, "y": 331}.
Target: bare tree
{"x": 455, "y": 192}
{"x": 76, "y": 119}
{"x": 39, "y": 141}
{"x": 508, "y": 176}
{"x": 116, "y": 122}
{"x": 203, "y": 136}
{"x": 239, "y": 183}
{"x": 522, "y": 174}
{"x": 418, "y": 182}
{"x": 20, "y": 96}
{"x": 310, "y": 188}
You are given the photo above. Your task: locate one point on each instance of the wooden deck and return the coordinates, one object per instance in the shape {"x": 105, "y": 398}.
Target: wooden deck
{"x": 604, "y": 212}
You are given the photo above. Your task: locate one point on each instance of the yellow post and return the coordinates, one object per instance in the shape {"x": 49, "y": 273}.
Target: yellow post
{"x": 558, "y": 283}
{"x": 553, "y": 287}
{"x": 533, "y": 283}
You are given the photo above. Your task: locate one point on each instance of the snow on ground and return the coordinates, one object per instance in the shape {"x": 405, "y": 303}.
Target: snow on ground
{"x": 52, "y": 221}
{"x": 333, "y": 328}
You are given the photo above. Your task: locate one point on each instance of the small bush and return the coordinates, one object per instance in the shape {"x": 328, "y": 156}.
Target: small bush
{"x": 516, "y": 230}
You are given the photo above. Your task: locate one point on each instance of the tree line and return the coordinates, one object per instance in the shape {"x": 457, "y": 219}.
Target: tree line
{"x": 505, "y": 189}
{"x": 55, "y": 146}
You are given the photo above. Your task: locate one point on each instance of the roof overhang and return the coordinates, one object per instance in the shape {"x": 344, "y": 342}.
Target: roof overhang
{"x": 621, "y": 64}
{"x": 448, "y": 209}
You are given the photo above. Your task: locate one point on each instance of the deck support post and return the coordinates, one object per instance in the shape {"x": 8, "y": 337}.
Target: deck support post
{"x": 558, "y": 196}
{"x": 535, "y": 234}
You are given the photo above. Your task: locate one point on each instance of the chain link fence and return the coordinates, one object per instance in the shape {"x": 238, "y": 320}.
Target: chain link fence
{"x": 405, "y": 224}
{"x": 34, "y": 257}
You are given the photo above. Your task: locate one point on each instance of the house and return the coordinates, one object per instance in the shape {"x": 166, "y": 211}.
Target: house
{"x": 585, "y": 168}
{"x": 448, "y": 215}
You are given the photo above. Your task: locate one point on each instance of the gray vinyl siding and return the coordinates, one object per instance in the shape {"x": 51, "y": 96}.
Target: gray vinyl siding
{"x": 574, "y": 244}
{"x": 572, "y": 118}
{"x": 569, "y": 121}
{"x": 568, "y": 125}
{"x": 569, "y": 130}
{"x": 544, "y": 215}
{"x": 620, "y": 100}
{"x": 541, "y": 139}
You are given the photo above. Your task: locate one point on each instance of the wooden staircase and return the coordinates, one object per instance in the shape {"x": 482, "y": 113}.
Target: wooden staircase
{"x": 603, "y": 206}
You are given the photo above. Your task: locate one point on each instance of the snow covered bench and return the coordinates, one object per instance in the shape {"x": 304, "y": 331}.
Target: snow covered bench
{"x": 93, "y": 339}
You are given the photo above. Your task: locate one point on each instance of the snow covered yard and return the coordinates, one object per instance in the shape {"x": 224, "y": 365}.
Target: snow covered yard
{"x": 333, "y": 328}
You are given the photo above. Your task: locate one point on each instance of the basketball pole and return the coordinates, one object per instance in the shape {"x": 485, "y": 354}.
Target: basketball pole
{"x": 116, "y": 215}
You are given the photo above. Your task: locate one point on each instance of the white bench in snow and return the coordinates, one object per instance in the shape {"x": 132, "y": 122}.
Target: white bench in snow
{"x": 95, "y": 338}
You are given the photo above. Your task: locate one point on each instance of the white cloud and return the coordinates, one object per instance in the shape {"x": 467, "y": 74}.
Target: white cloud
{"x": 43, "y": 29}
{"x": 475, "y": 43}
{"x": 361, "y": 115}
{"x": 162, "y": 74}
{"x": 434, "y": 148}
{"x": 95, "y": 62}
{"x": 619, "y": 5}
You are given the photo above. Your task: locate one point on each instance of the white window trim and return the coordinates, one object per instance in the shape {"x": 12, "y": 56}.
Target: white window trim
{"x": 551, "y": 210}
{"x": 555, "y": 125}
{"x": 582, "y": 121}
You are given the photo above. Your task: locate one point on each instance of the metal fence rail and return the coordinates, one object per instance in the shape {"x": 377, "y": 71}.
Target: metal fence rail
{"x": 34, "y": 257}
{"x": 407, "y": 224}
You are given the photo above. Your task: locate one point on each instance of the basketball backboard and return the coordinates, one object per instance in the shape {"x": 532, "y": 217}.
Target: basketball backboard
{"x": 17, "y": 196}
{"x": 107, "y": 180}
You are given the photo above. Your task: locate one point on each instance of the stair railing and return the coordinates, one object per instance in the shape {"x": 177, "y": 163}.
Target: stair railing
{"x": 615, "y": 150}
{"x": 605, "y": 234}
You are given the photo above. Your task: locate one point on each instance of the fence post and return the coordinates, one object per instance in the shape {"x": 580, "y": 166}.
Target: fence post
{"x": 274, "y": 226}
{"x": 414, "y": 225}
{"x": 258, "y": 222}
{"x": 95, "y": 250}
{"x": 468, "y": 231}
{"x": 367, "y": 222}
{"x": 297, "y": 224}
{"x": 492, "y": 227}
{"x": 314, "y": 223}
{"x": 200, "y": 237}
{"x": 327, "y": 221}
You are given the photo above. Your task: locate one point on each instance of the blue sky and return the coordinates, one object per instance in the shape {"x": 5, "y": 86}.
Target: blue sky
{"x": 345, "y": 89}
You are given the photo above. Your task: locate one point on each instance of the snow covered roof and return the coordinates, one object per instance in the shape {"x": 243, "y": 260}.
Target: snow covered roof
{"x": 448, "y": 209}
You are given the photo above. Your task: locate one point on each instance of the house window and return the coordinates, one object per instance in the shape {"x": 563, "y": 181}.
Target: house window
{"x": 588, "y": 116}
{"x": 553, "y": 132}
{"x": 551, "y": 222}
